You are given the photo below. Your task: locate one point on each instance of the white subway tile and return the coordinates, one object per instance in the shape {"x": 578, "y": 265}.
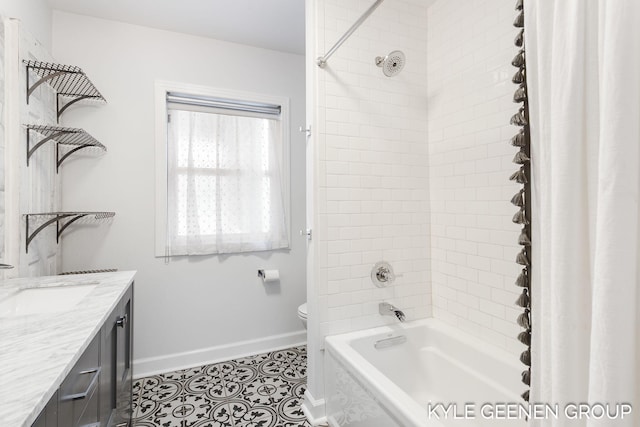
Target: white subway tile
{"x": 419, "y": 178}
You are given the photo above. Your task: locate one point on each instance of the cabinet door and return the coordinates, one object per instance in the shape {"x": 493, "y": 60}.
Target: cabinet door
{"x": 78, "y": 387}
{"x": 123, "y": 365}
{"x": 49, "y": 415}
{"x": 117, "y": 384}
{"x": 108, "y": 379}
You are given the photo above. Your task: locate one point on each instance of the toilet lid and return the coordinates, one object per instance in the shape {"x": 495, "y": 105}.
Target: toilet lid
{"x": 302, "y": 310}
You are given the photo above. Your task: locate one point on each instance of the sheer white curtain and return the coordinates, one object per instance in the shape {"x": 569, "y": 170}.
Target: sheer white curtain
{"x": 583, "y": 74}
{"x": 224, "y": 184}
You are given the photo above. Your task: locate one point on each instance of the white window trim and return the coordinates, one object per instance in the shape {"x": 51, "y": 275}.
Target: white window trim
{"x": 161, "y": 131}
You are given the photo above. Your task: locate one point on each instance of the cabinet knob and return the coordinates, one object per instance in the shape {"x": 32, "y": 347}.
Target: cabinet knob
{"x": 121, "y": 321}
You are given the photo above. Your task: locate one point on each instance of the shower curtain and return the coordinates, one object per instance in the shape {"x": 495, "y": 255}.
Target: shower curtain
{"x": 583, "y": 74}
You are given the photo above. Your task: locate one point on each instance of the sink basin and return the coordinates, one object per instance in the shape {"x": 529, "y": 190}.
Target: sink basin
{"x": 50, "y": 299}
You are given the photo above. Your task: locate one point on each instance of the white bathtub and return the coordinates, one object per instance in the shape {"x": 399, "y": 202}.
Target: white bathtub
{"x": 397, "y": 385}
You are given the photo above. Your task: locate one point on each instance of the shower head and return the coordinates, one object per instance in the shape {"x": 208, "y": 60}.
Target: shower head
{"x": 391, "y": 64}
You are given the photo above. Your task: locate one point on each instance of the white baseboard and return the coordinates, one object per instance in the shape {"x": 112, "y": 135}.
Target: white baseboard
{"x": 172, "y": 362}
{"x": 314, "y": 410}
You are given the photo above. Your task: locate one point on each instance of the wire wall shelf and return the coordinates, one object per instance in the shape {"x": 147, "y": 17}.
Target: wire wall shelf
{"x": 61, "y": 219}
{"x": 69, "y": 140}
{"x": 103, "y": 270}
{"x": 70, "y": 83}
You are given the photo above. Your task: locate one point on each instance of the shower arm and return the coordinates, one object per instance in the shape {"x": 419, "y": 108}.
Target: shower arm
{"x": 322, "y": 60}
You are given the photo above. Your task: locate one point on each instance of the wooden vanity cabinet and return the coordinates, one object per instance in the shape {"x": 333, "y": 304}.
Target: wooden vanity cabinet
{"x": 116, "y": 382}
{"x": 98, "y": 390}
{"x": 77, "y": 397}
{"x": 49, "y": 415}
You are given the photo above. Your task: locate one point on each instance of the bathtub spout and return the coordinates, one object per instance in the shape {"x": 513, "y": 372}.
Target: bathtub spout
{"x": 387, "y": 309}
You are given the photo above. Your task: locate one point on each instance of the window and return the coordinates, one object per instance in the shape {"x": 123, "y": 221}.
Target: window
{"x": 222, "y": 171}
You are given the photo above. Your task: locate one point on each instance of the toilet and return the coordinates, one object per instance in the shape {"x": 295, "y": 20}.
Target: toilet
{"x": 302, "y": 314}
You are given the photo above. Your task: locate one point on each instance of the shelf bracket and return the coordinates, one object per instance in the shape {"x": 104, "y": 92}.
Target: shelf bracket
{"x": 62, "y": 221}
{"x": 59, "y": 159}
{"x": 62, "y": 226}
{"x": 68, "y": 104}
{"x": 31, "y": 89}
{"x": 31, "y": 150}
{"x": 75, "y": 137}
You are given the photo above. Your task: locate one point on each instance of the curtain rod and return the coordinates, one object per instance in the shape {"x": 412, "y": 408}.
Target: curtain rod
{"x": 322, "y": 60}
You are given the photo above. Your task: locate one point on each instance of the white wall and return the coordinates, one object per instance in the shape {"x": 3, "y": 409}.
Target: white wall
{"x": 188, "y": 305}
{"x": 35, "y": 16}
{"x": 470, "y": 103}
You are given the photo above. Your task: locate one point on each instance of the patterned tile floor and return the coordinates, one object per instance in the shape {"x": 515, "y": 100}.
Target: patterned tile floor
{"x": 265, "y": 390}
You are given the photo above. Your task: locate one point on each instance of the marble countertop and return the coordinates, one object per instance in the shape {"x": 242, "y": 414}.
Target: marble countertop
{"x": 37, "y": 351}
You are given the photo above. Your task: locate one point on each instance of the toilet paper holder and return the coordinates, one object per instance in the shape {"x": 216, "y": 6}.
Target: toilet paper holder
{"x": 269, "y": 276}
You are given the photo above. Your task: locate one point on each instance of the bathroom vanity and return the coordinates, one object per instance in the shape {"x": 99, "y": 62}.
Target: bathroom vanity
{"x": 66, "y": 351}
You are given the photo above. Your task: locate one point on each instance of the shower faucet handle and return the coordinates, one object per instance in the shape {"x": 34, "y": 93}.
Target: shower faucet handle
{"x": 382, "y": 274}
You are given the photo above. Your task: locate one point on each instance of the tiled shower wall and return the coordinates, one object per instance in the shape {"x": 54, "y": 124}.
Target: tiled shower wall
{"x": 473, "y": 241}
{"x": 373, "y": 197}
